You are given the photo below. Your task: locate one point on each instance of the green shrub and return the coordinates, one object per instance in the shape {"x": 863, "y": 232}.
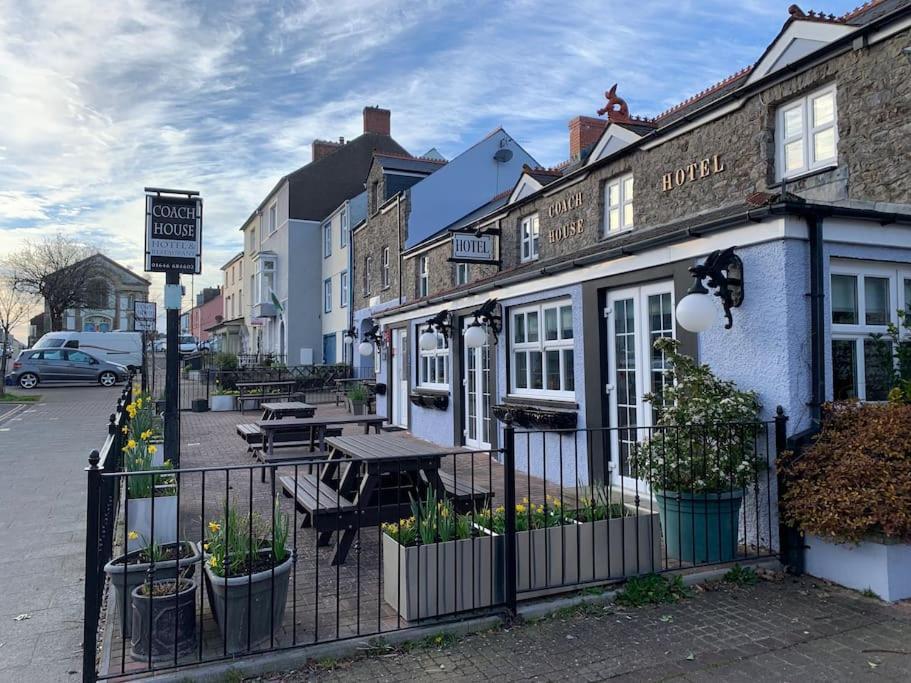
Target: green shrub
{"x": 358, "y": 394}
{"x": 652, "y": 589}
{"x": 225, "y": 361}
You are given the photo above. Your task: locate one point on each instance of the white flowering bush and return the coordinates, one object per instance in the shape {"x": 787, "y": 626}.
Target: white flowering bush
{"x": 703, "y": 440}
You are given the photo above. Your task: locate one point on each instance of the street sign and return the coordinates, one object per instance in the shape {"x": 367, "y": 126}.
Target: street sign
{"x": 173, "y": 234}
{"x": 145, "y": 316}
{"x": 467, "y": 247}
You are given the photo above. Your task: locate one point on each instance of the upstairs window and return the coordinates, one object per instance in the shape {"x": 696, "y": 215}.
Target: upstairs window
{"x": 461, "y": 274}
{"x": 273, "y": 219}
{"x": 385, "y": 267}
{"x": 343, "y": 289}
{"x": 529, "y": 234}
{"x": 368, "y": 266}
{"x": 327, "y": 239}
{"x": 266, "y": 280}
{"x": 423, "y": 277}
{"x": 618, "y": 203}
{"x": 327, "y": 296}
{"x": 344, "y": 231}
{"x": 806, "y": 134}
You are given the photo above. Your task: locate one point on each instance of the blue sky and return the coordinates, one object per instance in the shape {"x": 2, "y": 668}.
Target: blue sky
{"x": 225, "y": 97}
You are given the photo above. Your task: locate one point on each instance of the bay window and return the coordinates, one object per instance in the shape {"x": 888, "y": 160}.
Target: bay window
{"x": 865, "y": 299}
{"x": 433, "y": 365}
{"x": 541, "y": 350}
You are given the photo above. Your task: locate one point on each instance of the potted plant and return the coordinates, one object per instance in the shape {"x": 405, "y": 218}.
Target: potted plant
{"x": 546, "y": 543}
{"x": 616, "y": 539}
{"x": 222, "y": 400}
{"x": 247, "y": 577}
{"x": 357, "y": 400}
{"x": 849, "y": 492}
{"x": 438, "y": 562}
{"x": 699, "y": 458}
{"x": 149, "y": 487}
{"x": 164, "y": 614}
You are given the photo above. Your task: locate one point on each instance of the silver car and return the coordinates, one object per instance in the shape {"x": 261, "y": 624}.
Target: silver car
{"x": 34, "y": 366}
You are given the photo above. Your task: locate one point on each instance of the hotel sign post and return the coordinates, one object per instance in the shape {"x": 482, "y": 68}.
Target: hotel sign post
{"x": 173, "y": 245}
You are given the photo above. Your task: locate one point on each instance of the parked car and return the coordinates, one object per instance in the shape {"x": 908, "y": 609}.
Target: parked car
{"x": 121, "y": 348}
{"x": 34, "y": 366}
{"x": 187, "y": 343}
{"x": 160, "y": 345}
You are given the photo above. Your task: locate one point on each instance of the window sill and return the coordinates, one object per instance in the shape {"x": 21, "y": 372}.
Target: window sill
{"x": 618, "y": 233}
{"x": 536, "y": 417}
{"x": 802, "y": 176}
{"x": 431, "y": 391}
{"x": 541, "y": 402}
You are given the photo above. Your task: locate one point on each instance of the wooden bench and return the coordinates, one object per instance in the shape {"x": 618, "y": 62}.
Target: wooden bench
{"x": 465, "y": 497}
{"x": 250, "y": 433}
{"x": 322, "y": 506}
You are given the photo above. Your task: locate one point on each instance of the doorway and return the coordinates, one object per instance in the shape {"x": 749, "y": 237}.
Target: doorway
{"x": 477, "y": 397}
{"x": 400, "y": 377}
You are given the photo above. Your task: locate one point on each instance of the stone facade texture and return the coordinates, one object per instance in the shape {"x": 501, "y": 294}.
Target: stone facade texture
{"x": 383, "y": 229}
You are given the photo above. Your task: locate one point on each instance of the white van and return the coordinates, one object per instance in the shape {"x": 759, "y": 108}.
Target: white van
{"x": 124, "y": 348}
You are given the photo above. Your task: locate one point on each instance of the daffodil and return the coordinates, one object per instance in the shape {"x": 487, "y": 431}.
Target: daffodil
{"x": 153, "y": 449}
{"x": 213, "y": 562}
{"x": 132, "y": 535}
{"x": 131, "y": 443}
{"x": 214, "y": 527}
{"x": 125, "y": 430}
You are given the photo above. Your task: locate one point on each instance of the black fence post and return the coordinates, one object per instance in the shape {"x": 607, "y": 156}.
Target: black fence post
{"x": 92, "y": 593}
{"x": 509, "y": 473}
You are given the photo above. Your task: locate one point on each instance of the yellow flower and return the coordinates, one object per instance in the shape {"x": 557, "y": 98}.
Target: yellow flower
{"x": 213, "y": 562}
{"x": 214, "y": 527}
{"x": 520, "y": 508}
{"x": 146, "y": 434}
{"x": 132, "y": 535}
{"x": 125, "y": 430}
{"x": 139, "y": 403}
{"x": 131, "y": 444}
{"x": 205, "y": 546}
{"x": 153, "y": 449}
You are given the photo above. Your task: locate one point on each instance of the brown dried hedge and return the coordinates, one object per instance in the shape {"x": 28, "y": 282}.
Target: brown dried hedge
{"x": 855, "y": 479}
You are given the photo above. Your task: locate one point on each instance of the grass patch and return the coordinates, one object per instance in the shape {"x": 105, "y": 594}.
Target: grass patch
{"x": 652, "y": 589}
{"x": 741, "y": 576}
{"x": 870, "y": 593}
{"x": 9, "y": 397}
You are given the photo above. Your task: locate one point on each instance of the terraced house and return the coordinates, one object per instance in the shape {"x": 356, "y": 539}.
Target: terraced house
{"x": 789, "y": 182}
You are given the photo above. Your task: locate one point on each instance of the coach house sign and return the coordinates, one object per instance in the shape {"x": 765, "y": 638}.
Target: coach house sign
{"x": 173, "y": 234}
{"x": 696, "y": 170}
{"x": 570, "y": 228}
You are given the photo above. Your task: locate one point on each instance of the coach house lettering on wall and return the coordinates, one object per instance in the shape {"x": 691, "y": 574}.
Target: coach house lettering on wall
{"x": 173, "y": 234}
{"x": 572, "y": 228}
{"x": 692, "y": 172}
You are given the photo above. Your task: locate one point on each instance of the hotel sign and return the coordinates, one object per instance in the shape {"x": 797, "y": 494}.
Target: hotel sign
{"x": 173, "y": 240}
{"x": 692, "y": 172}
{"x": 470, "y": 248}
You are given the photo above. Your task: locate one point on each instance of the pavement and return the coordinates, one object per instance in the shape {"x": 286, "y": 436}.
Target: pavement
{"x": 782, "y": 630}
{"x": 44, "y": 447}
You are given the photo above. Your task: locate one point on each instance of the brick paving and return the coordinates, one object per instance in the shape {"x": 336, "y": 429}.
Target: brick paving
{"x": 790, "y": 630}
{"x": 43, "y": 450}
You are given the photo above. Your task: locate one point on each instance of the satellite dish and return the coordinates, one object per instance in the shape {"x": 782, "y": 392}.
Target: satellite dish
{"x": 502, "y": 155}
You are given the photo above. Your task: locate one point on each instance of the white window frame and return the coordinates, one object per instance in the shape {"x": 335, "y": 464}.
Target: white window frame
{"x": 423, "y": 277}
{"x": 327, "y": 239}
{"x": 624, "y": 200}
{"x": 273, "y": 218}
{"x": 462, "y": 274}
{"x": 857, "y": 333}
{"x": 343, "y": 238}
{"x": 368, "y": 265}
{"x": 385, "y": 267}
{"x": 343, "y": 289}
{"x": 266, "y": 265}
{"x": 529, "y": 238}
{"x": 807, "y": 132}
{"x": 327, "y": 295}
{"x": 433, "y": 365}
{"x": 541, "y": 345}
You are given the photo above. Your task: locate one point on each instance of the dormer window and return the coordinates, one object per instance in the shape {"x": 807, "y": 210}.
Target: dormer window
{"x": 806, "y": 134}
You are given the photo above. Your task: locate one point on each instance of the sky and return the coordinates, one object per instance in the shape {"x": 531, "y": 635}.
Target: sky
{"x": 225, "y": 97}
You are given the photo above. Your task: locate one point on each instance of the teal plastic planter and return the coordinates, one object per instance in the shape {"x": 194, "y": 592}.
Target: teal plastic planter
{"x": 700, "y": 527}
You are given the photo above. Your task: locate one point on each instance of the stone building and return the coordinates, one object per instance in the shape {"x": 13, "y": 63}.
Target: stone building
{"x": 798, "y": 166}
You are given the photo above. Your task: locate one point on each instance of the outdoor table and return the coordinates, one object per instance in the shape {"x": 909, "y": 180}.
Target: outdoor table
{"x": 285, "y": 390}
{"x": 278, "y": 411}
{"x": 317, "y": 427}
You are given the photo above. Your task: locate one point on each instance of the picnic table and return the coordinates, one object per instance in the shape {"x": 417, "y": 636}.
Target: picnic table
{"x": 316, "y": 427}
{"x": 279, "y": 411}
{"x": 370, "y": 479}
{"x": 250, "y": 433}
{"x": 265, "y": 390}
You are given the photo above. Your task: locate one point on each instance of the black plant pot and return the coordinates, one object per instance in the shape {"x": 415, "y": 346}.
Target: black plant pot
{"x": 161, "y": 623}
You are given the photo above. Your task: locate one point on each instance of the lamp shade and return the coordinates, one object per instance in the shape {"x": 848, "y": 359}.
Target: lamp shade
{"x": 365, "y": 348}
{"x": 475, "y": 336}
{"x": 696, "y": 312}
{"x": 428, "y": 341}
{"x": 348, "y": 339}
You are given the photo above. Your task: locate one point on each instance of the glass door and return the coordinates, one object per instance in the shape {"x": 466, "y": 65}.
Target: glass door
{"x": 400, "y": 378}
{"x": 636, "y": 318}
{"x": 477, "y": 397}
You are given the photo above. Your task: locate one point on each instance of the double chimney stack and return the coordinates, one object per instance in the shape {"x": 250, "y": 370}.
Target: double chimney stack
{"x": 376, "y": 120}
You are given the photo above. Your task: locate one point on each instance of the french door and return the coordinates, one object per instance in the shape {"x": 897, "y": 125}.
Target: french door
{"x": 477, "y": 396}
{"x": 400, "y": 378}
{"x": 636, "y": 317}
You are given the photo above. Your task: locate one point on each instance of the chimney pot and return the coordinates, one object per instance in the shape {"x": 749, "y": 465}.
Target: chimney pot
{"x": 323, "y": 148}
{"x": 377, "y": 121}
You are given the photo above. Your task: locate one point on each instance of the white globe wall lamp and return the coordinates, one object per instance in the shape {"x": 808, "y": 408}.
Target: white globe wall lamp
{"x": 485, "y": 321}
{"x": 723, "y": 271}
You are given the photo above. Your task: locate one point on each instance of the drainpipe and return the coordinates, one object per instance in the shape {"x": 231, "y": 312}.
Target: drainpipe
{"x": 817, "y": 317}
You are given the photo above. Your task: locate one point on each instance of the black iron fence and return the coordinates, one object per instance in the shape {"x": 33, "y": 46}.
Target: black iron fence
{"x": 219, "y": 562}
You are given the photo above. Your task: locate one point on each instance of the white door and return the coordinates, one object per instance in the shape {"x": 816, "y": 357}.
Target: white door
{"x": 400, "y": 378}
{"x": 636, "y": 318}
{"x": 477, "y": 397}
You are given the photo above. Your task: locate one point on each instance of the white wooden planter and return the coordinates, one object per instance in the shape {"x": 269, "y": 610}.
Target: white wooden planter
{"x": 442, "y": 578}
{"x": 881, "y": 565}
{"x": 139, "y": 519}
{"x": 221, "y": 403}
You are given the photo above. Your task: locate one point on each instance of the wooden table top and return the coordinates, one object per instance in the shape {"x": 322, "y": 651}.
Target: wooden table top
{"x": 378, "y": 446}
{"x": 286, "y": 406}
{"x": 267, "y": 383}
{"x": 295, "y": 423}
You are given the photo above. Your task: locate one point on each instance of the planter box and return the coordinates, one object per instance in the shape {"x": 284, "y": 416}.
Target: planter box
{"x": 222, "y": 403}
{"x": 164, "y": 624}
{"x": 883, "y": 566}
{"x": 442, "y": 578}
{"x": 158, "y": 455}
{"x": 546, "y": 558}
{"x": 126, "y": 577}
{"x": 249, "y": 602}
{"x": 139, "y": 519}
{"x": 620, "y": 547}
{"x": 700, "y": 527}
{"x": 356, "y": 407}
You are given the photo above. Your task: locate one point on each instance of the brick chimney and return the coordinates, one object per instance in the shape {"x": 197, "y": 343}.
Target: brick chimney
{"x": 377, "y": 121}
{"x": 323, "y": 148}
{"x": 584, "y": 131}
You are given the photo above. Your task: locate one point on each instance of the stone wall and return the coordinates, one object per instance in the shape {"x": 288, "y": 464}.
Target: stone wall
{"x": 441, "y": 272}
{"x": 380, "y": 231}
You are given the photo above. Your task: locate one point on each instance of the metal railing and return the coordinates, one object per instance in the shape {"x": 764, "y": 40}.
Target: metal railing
{"x": 362, "y": 546}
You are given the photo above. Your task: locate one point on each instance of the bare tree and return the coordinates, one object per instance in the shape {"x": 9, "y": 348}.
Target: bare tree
{"x": 58, "y": 269}
{"x": 15, "y": 307}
